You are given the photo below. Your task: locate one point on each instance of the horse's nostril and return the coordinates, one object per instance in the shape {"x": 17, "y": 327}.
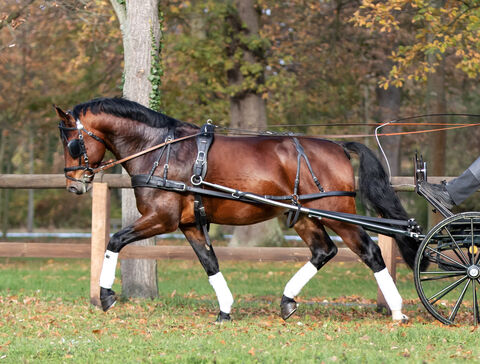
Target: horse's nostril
{"x": 73, "y": 189}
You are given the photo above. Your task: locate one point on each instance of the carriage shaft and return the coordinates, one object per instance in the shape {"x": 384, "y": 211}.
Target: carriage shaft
{"x": 344, "y": 217}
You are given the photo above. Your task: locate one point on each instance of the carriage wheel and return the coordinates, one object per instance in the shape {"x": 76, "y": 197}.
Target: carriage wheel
{"x": 448, "y": 286}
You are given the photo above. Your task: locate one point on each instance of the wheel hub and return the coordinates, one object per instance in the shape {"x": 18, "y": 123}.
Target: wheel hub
{"x": 473, "y": 271}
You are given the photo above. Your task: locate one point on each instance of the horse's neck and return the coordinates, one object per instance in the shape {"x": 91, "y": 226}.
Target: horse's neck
{"x": 127, "y": 138}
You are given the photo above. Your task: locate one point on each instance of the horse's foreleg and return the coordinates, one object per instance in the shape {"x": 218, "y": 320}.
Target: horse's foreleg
{"x": 359, "y": 242}
{"x": 209, "y": 261}
{"x": 107, "y": 277}
{"x": 323, "y": 249}
{"x": 143, "y": 228}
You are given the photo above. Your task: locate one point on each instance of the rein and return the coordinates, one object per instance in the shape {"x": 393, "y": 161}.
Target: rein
{"x": 405, "y": 121}
{"x": 111, "y": 164}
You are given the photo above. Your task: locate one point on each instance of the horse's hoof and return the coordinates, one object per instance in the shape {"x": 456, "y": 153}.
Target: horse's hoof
{"x": 223, "y": 317}
{"x": 107, "y": 298}
{"x": 288, "y": 306}
{"x": 398, "y": 316}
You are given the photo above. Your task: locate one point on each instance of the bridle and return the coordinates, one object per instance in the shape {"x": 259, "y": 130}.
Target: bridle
{"x": 76, "y": 148}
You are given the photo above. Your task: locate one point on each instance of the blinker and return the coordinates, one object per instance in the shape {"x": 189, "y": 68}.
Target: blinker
{"x": 74, "y": 148}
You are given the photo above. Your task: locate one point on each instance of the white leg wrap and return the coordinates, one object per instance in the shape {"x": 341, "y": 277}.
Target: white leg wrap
{"x": 299, "y": 280}
{"x": 108, "y": 269}
{"x": 224, "y": 296}
{"x": 389, "y": 290}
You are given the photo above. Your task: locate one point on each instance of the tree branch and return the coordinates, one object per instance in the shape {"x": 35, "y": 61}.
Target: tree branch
{"x": 121, "y": 12}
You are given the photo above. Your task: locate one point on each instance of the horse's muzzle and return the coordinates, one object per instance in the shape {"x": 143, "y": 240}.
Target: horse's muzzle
{"x": 78, "y": 188}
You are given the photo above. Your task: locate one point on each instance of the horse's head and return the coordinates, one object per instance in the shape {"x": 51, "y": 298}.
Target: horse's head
{"x": 84, "y": 150}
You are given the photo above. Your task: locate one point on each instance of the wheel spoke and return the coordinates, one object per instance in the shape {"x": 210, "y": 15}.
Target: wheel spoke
{"x": 457, "y": 272}
{"x": 465, "y": 259}
{"x": 447, "y": 257}
{"x": 446, "y": 290}
{"x": 449, "y": 275}
{"x": 452, "y": 249}
{"x": 459, "y": 302}
{"x": 433, "y": 260}
{"x": 475, "y": 303}
{"x": 473, "y": 242}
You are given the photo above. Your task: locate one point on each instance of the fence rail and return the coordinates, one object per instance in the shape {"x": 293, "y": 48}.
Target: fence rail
{"x": 261, "y": 254}
{"x": 100, "y": 233}
{"x": 49, "y": 181}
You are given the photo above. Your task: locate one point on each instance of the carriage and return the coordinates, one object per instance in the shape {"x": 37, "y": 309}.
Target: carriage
{"x": 184, "y": 179}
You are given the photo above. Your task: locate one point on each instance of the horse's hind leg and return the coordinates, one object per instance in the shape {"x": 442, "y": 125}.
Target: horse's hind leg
{"x": 360, "y": 243}
{"x": 209, "y": 261}
{"x": 323, "y": 249}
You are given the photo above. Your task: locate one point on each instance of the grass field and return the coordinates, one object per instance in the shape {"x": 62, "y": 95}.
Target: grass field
{"x": 45, "y": 316}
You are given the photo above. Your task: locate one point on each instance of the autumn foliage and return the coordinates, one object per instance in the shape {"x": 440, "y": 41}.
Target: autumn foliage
{"x": 322, "y": 63}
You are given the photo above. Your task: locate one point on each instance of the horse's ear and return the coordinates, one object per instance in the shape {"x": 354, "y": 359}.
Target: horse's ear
{"x": 61, "y": 114}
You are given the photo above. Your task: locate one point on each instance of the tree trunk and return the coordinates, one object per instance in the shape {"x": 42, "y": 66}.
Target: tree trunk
{"x": 436, "y": 104}
{"x": 248, "y": 111}
{"x": 139, "y": 276}
{"x": 140, "y": 26}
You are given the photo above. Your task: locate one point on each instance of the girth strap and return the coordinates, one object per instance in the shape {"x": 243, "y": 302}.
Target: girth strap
{"x": 204, "y": 141}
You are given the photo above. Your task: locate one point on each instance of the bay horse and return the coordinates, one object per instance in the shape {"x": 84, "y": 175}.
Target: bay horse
{"x": 262, "y": 164}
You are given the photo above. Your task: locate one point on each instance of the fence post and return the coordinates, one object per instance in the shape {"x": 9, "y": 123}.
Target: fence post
{"x": 389, "y": 253}
{"x": 100, "y": 236}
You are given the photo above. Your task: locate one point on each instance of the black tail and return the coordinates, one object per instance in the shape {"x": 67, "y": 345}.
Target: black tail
{"x": 377, "y": 192}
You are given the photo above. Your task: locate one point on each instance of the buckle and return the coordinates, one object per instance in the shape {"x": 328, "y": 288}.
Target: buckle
{"x": 201, "y": 156}
{"x": 196, "y": 180}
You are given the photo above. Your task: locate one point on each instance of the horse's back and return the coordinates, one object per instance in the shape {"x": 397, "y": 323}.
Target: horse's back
{"x": 268, "y": 164}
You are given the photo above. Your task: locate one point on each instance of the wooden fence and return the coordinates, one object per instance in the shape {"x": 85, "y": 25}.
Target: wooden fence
{"x": 101, "y": 225}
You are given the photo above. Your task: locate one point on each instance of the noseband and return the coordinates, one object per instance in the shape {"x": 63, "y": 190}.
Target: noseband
{"x": 76, "y": 148}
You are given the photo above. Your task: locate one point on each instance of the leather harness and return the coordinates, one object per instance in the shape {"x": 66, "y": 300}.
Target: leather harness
{"x": 204, "y": 140}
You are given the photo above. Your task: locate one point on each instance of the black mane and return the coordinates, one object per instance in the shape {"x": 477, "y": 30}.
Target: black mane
{"x": 128, "y": 109}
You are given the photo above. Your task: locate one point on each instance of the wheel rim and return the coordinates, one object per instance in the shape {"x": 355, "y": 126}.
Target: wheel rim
{"x": 448, "y": 287}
